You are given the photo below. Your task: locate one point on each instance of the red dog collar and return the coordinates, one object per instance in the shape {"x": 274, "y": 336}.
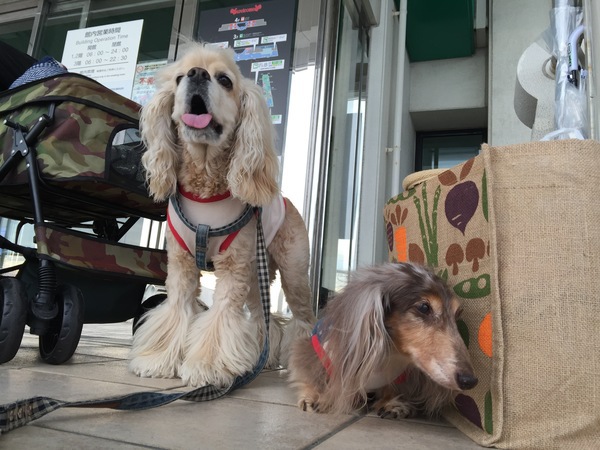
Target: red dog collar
{"x": 319, "y": 350}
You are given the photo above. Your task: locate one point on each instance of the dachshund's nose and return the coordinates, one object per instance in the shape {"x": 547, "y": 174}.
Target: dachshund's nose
{"x": 198, "y": 74}
{"x": 466, "y": 381}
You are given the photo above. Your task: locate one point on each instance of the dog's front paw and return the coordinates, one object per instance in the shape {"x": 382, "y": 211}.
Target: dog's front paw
{"x": 396, "y": 409}
{"x": 308, "y": 399}
{"x": 221, "y": 346}
{"x": 309, "y": 404}
{"x": 201, "y": 374}
{"x": 155, "y": 366}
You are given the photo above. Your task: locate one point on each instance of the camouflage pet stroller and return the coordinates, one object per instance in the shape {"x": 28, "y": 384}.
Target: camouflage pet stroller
{"x": 70, "y": 166}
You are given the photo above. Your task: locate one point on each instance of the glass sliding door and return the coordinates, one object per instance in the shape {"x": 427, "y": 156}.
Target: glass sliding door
{"x": 72, "y": 15}
{"x": 445, "y": 149}
{"x": 61, "y": 17}
{"x": 346, "y": 145}
{"x": 158, "y": 21}
{"x": 17, "y": 34}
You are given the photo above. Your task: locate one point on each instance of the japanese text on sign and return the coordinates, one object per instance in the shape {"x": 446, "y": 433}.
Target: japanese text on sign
{"x": 107, "y": 53}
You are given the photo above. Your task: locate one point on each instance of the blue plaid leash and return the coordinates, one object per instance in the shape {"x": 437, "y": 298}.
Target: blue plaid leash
{"x": 21, "y": 412}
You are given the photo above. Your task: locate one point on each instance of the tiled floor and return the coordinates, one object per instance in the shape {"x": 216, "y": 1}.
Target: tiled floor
{"x": 261, "y": 415}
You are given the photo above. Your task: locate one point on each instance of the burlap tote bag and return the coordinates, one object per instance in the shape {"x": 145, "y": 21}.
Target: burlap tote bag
{"x": 516, "y": 232}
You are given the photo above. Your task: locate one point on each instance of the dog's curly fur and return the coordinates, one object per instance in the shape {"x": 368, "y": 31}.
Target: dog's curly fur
{"x": 389, "y": 320}
{"x": 234, "y": 152}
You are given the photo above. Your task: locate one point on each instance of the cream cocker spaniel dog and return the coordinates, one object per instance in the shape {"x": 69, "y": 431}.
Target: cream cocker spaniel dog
{"x": 210, "y": 151}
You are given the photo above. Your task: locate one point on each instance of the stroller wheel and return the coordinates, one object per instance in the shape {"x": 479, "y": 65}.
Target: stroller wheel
{"x": 150, "y": 303}
{"x": 13, "y": 317}
{"x": 59, "y": 343}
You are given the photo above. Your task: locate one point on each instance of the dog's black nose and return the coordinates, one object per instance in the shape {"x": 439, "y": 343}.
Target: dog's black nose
{"x": 466, "y": 381}
{"x": 198, "y": 73}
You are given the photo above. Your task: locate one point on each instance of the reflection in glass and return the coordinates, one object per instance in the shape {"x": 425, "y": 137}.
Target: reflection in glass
{"x": 442, "y": 150}
{"x": 156, "y": 33}
{"x": 339, "y": 252}
{"x": 17, "y": 34}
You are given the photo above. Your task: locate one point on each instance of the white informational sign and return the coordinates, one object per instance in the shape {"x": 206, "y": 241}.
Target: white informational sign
{"x": 144, "y": 83}
{"x": 107, "y": 53}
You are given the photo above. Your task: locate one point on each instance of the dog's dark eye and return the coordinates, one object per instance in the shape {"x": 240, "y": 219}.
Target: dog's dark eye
{"x": 424, "y": 308}
{"x": 178, "y": 79}
{"x": 225, "y": 81}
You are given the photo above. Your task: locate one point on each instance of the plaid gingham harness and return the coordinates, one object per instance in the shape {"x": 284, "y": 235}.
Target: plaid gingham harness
{"x": 19, "y": 413}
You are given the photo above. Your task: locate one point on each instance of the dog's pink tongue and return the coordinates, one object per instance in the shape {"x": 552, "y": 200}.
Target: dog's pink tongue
{"x": 196, "y": 120}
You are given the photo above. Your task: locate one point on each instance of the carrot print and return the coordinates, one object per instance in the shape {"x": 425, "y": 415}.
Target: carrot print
{"x": 485, "y": 335}
{"x": 401, "y": 244}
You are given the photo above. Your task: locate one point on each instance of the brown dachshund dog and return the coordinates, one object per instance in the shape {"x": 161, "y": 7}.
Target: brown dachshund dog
{"x": 390, "y": 340}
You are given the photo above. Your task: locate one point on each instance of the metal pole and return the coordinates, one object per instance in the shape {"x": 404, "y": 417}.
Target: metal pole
{"x": 320, "y": 143}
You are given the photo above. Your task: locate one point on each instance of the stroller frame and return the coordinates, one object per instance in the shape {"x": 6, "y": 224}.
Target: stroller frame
{"x": 56, "y": 312}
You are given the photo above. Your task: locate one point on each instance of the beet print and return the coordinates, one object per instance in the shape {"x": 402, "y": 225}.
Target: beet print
{"x": 461, "y": 203}
{"x": 390, "y": 235}
{"x": 468, "y": 408}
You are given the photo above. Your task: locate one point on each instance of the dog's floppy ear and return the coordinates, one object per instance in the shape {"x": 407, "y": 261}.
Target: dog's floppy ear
{"x": 160, "y": 138}
{"x": 356, "y": 338}
{"x": 362, "y": 337}
{"x": 254, "y": 165}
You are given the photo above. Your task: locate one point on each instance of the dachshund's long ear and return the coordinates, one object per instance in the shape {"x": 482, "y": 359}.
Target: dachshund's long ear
{"x": 359, "y": 336}
{"x": 356, "y": 340}
{"x": 160, "y": 138}
{"x": 254, "y": 165}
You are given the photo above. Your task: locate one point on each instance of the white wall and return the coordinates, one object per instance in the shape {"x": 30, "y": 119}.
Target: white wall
{"x": 448, "y": 83}
{"x": 449, "y": 94}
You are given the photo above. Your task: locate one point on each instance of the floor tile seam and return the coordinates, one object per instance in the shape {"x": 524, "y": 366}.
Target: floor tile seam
{"x": 78, "y": 433}
{"x": 254, "y": 400}
{"x": 325, "y": 437}
{"x": 80, "y": 377}
{"x": 117, "y": 337}
{"x": 38, "y": 366}
{"x": 82, "y": 346}
{"x": 424, "y": 421}
{"x": 106, "y": 359}
{"x": 88, "y": 342}
{"x": 100, "y": 340}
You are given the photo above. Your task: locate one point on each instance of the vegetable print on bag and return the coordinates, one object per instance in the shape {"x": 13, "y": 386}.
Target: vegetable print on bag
{"x": 439, "y": 223}
{"x": 528, "y": 280}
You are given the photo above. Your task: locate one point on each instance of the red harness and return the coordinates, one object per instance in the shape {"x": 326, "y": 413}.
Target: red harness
{"x": 320, "y": 351}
